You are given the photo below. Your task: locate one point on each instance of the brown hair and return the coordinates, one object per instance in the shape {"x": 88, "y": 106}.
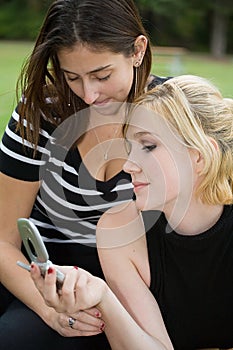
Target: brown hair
{"x": 112, "y": 25}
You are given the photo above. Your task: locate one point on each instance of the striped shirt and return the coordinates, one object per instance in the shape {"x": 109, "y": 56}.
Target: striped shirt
{"x": 70, "y": 201}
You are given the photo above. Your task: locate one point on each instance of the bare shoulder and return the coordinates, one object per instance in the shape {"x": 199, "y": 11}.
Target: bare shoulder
{"x": 118, "y": 215}
{"x": 119, "y": 226}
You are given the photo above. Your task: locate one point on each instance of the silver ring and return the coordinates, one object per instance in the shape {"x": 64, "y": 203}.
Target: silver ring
{"x": 71, "y": 321}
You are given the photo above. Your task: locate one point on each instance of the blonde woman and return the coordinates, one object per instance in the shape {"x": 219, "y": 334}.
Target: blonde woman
{"x": 61, "y": 166}
{"x": 168, "y": 255}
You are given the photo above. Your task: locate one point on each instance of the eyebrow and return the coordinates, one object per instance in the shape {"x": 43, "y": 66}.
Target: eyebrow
{"x": 91, "y": 72}
{"x": 142, "y": 133}
{"x": 139, "y": 134}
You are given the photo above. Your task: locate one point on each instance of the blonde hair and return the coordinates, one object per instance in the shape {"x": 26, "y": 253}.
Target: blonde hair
{"x": 198, "y": 113}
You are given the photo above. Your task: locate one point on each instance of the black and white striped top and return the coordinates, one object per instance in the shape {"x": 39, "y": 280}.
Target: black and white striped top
{"x": 70, "y": 201}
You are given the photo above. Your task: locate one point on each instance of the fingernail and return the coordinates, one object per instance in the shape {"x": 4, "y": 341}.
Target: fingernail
{"x": 50, "y": 270}
{"x": 102, "y": 326}
{"x": 32, "y": 265}
{"x": 97, "y": 314}
{"x": 76, "y": 267}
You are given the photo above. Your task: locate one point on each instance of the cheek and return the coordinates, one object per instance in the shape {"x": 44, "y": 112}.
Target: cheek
{"x": 179, "y": 174}
{"x": 76, "y": 88}
{"x": 122, "y": 85}
{"x": 165, "y": 174}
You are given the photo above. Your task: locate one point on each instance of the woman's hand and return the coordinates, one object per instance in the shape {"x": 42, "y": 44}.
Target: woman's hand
{"x": 75, "y": 303}
{"x": 82, "y": 323}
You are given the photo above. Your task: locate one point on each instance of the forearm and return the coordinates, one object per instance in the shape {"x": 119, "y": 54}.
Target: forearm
{"x": 122, "y": 331}
{"x": 18, "y": 281}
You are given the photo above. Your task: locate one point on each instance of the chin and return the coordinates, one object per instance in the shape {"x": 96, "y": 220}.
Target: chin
{"x": 145, "y": 206}
{"x": 109, "y": 109}
{"x": 141, "y": 205}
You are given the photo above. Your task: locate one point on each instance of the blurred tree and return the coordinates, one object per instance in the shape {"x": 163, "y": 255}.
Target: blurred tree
{"x": 220, "y": 13}
{"x": 197, "y": 25}
{"x": 222, "y": 10}
{"x": 192, "y": 24}
{"x": 21, "y": 19}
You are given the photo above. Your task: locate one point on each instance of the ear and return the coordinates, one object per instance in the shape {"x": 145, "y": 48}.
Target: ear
{"x": 140, "y": 46}
{"x": 197, "y": 157}
{"x": 214, "y": 144}
{"x": 197, "y": 160}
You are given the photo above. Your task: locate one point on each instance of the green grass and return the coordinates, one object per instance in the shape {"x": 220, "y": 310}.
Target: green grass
{"x": 13, "y": 54}
{"x": 220, "y": 72}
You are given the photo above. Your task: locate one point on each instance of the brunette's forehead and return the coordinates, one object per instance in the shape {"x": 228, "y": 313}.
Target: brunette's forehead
{"x": 81, "y": 60}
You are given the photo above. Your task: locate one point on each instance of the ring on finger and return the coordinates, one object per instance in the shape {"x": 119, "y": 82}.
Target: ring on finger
{"x": 71, "y": 322}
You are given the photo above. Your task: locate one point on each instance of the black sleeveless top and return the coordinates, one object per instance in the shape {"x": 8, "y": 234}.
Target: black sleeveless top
{"x": 192, "y": 281}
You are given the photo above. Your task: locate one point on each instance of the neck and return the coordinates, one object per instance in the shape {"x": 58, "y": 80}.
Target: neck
{"x": 97, "y": 119}
{"x": 197, "y": 218}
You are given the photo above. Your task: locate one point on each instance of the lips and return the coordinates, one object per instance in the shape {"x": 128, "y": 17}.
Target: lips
{"x": 101, "y": 103}
{"x": 139, "y": 185}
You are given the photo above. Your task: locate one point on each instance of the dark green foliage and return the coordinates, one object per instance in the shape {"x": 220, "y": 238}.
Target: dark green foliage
{"x": 21, "y": 19}
{"x": 186, "y": 23}
{"x": 169, "y": 22}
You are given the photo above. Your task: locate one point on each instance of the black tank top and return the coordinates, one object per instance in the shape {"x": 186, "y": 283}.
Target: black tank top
{"x": 192, "y": 281}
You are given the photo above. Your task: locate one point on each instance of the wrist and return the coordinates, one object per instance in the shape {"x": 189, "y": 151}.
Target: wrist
{"x": 108, "y": 297}
{"x": 44, "y": 312}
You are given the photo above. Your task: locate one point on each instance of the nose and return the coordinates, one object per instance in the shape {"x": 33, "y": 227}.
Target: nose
{"x": 89, "y": 94}
{"x": 131, "y": 167}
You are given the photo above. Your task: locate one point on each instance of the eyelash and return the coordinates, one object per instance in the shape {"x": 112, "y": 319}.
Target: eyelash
{"x": 100, "y": 79}
{"x": 71, "y": 79}
{"x": 149, "y": 148}
{"x": 104, "y": 78}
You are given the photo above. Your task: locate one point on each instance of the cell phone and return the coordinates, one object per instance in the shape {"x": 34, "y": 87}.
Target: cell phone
{"x": 36, "y": 249}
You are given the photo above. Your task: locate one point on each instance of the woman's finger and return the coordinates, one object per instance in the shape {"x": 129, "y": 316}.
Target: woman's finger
{"x": 85, "y": 323}
{"x": 37, "y": 278}
{"x": 93, "y": 311}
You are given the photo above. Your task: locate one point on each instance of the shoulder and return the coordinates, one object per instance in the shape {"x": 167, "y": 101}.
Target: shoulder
{"x": 119, "y": 215}
{"x": 17, "y": 154}
{"x": 119, "y": 226}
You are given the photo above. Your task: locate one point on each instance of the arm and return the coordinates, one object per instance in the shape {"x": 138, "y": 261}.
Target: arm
{"x": 81, "y": 290}
{"x": 16, "y": 200}
{"x": 123, "y": 331}
{"x": 131, "y": 315}
{"x": 125, "y": 264}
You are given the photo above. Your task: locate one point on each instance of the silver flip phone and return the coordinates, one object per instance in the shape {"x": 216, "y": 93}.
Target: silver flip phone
{"x": 36, "y": 249}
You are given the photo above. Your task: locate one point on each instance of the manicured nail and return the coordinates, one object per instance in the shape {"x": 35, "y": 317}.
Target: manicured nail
{"x": 50, "y": 270}
{"x": 102, "y": 326}
{"x": 76, "y": 267}
{"x": 97, "y": 314}
{"x": 32, "y": 265}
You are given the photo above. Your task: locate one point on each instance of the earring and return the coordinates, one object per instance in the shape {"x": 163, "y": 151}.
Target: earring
{"x": 136, "y": 79}
{"x": 138, "y": 63}
{"x": 69, "y": 104}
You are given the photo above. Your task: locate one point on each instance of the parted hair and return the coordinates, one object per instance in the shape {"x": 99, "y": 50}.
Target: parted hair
{"x": 101, "y": 25}
{"x": 198, "y": 113}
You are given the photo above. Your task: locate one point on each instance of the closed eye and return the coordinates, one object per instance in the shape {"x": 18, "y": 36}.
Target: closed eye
{"x": 72, "y": 79}
{"x": 104, "y": 78}
{"x": 149, "y": 148}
